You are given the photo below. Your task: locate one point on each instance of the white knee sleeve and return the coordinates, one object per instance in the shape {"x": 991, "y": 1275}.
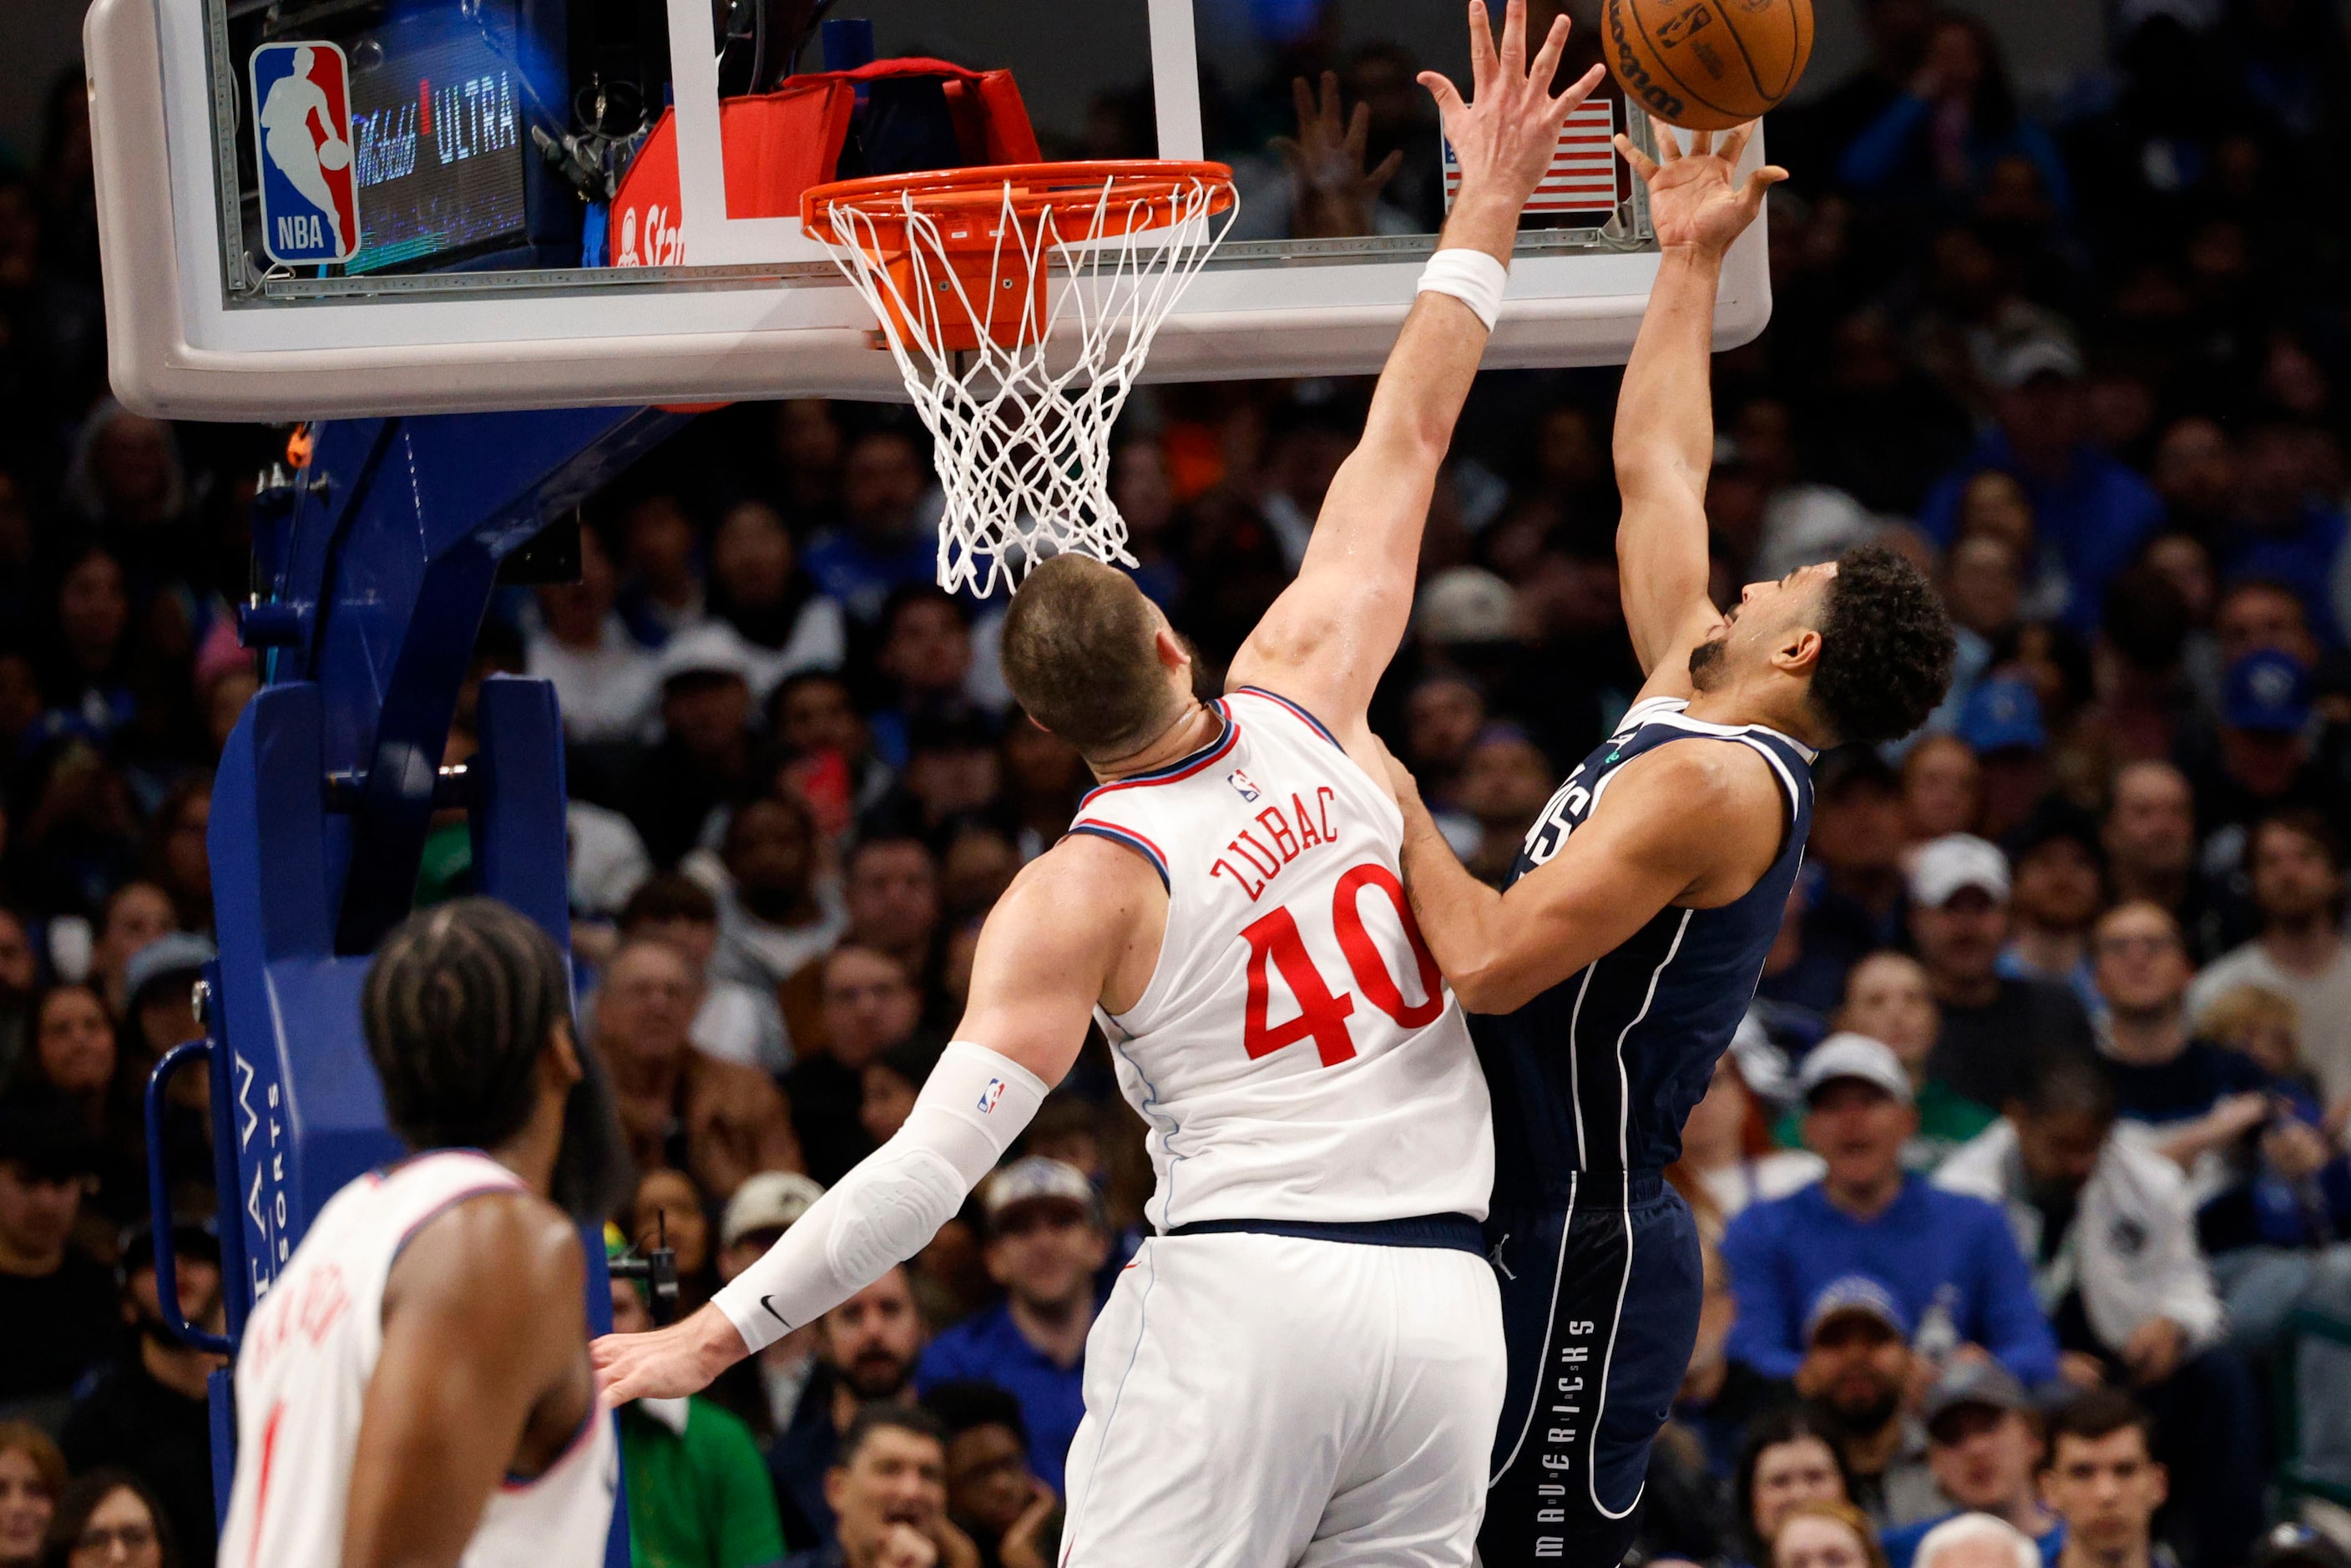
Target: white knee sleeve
{"x": 974, "y": 1104}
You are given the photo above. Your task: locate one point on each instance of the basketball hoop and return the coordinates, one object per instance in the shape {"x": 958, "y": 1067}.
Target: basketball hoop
{"x": 1019, "y": 383}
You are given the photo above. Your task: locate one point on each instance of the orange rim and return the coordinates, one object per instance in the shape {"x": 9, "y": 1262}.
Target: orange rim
{"x": 1030, "y": 188}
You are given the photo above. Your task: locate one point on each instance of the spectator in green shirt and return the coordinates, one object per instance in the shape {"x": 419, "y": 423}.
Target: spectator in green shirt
{"x": 697, "y": 1490}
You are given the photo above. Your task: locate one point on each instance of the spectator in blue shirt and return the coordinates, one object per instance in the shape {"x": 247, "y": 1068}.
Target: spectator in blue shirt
{"x": 882, "y": 545}
{"x": 1951, "y": 1263}
{"x": 1046, "y": 1238}
{"x": 2095, "y": 510}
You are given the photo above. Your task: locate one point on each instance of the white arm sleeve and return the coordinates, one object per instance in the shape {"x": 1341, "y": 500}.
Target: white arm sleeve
{"x": 974, "y": 1104}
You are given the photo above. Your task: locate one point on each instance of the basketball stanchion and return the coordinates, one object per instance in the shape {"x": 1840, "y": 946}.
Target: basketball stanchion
{"x": 1020, "y": 303}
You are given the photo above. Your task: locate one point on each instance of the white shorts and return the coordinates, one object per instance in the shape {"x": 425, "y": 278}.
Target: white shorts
{"x": 1258, "y": 1401}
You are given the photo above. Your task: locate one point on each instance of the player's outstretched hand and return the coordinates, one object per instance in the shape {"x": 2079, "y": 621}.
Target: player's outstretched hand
{"x": 1331, "y": 193}
{"x": 666, "y": 1363}
{"x": 1504, "y": 137}
{"x": 1695, "y": 197}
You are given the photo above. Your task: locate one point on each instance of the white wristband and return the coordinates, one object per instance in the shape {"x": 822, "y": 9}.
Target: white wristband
{"x": 973, "y": 1105}
{"x": 1472, "y": 277}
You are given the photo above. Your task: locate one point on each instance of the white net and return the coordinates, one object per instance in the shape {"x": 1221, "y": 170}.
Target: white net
{"x": 1022, "y": 421}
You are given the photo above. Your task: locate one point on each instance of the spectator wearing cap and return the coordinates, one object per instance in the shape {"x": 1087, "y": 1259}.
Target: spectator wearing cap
{"x": 703, "y": 759}
{"x": 2264, "y": 761}
{"x": 764, "y": 1390}
{"x": 2000, "y": 721}
{"x": 2057, "y": 886}
{"x": 1856, "y": 1371}
{"x": 1046, "y": 1238}
{"x": 736, "y": 1022}
{"x": 2091, "y": 508}
{"x": 699, "y": 1494}
{"x": 1984, "y": 1445}
{"x": 1888, "y": 998}
{"x": 992, "y": 1494}
{"x": 1950, "y": 1262}
{"x": 56, "y": 1306}
{"x": 2296, "y": 858}
{"x": 679, "y": 1105}
{"x": 147, "y": 1412}
{"x": 606, "y": 681}
{"x": 2110, "y": 1229}
{"x": 1994, "y": 1025}
{"x": 2105, "y": 1483}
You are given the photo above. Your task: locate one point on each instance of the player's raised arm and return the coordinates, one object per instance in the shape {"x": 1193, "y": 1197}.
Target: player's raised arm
{"x": 1665, "y": 414}
{"x": 1328, "y": 637}
{"x": 1084, "y": 916}
{"x": 1606, "y": 881}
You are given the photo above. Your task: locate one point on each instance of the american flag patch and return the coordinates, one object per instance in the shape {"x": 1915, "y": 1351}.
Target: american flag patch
{"x": 1584, "y": 172}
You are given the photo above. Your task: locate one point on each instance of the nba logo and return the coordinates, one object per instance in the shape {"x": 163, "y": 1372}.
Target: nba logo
{"x": 1244, "y": 784}
{"x": 302, "y": 141}
{"x": 991, "y": 1095}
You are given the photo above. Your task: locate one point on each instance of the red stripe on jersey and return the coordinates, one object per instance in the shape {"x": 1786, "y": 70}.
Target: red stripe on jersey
{"x": 261, "y": 1488}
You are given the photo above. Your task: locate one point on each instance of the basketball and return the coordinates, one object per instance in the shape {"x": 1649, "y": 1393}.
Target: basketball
{"x": 1707, "y": 65}
{"x": 334, "y": 155}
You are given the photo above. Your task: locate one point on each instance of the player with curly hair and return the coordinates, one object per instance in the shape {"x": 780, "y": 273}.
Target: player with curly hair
{"x": 1621, "y": 954}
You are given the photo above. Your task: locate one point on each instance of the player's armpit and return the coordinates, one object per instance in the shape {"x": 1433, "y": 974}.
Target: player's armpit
{"x": 1081, "y": 923}
{"x": 1686, "y": 824}
{"x": 484, "y": 1342}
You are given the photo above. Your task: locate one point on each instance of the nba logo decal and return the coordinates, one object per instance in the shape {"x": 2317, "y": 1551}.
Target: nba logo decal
{"x": 1243, "y": 783}
{"x": 302, "y": 138}
{"x": 991, "y": 1095}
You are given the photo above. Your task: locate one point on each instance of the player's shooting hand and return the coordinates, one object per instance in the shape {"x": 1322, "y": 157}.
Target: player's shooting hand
{"x": 1695, "y": 198}
{"x": 665, "y": 1363}
{"x": 1331, "y": 191}
{"x": 1504, "y": 137}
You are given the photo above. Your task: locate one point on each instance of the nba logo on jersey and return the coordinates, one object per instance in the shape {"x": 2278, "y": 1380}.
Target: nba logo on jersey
{"x": 1242, "y": 782}
{"x": 302, "y": 140}
{"x": 991, "y": 1095}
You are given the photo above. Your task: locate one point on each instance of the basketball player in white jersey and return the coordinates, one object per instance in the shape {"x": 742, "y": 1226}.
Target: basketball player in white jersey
{"x": 1305, "y": 1364}
{"x": 415, "y": 1387}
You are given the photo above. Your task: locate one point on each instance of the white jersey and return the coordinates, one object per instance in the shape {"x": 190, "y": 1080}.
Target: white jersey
{"x": 302, "y": 1375}
{"x": 1297, "y": 1054}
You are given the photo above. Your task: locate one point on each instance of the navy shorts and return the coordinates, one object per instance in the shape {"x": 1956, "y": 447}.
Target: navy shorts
{"x": 1600, "y": 1306}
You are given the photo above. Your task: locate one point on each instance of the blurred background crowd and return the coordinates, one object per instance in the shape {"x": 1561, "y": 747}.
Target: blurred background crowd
{"x": 2025, "y": 1186}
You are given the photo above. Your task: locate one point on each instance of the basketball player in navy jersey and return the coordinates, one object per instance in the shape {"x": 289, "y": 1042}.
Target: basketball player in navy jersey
{"x": 1626, "y": 944}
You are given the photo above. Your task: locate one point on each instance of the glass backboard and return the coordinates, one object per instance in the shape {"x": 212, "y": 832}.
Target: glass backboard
{"x": 373, "y": 207}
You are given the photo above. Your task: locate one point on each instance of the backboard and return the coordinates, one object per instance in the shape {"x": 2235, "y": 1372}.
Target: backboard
{"x": 352, "y": 207}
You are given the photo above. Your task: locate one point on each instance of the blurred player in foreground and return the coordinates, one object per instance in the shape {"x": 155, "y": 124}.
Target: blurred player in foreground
{"x": 1632, "y": 929}
{"x": 1304, "y": 1364}
{"x": 415, "y": 1387}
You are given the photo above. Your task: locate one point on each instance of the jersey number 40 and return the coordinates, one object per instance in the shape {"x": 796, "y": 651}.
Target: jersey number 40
{"x": 1274, "y": 939}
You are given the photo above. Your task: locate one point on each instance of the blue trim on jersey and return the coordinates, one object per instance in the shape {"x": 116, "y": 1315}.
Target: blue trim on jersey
{"x": 1294, "y": 707}
{"x": 1182, "y": 767}
{"x": 1132, "y": 841}
{"x": 1457, "y": 1232}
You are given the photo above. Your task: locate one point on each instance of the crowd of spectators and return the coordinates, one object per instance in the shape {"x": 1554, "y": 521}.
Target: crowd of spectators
{"x": 2027, "y": 1170}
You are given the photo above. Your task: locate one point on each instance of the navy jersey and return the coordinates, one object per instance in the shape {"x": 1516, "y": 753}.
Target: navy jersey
{"x": 1598, "y": 1073}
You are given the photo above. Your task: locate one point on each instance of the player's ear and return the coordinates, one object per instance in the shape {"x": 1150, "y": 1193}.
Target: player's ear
{"x": 1799, "y": 651}
{"x": 1169, "y": 648}
{"x": 561, "y": 1058}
